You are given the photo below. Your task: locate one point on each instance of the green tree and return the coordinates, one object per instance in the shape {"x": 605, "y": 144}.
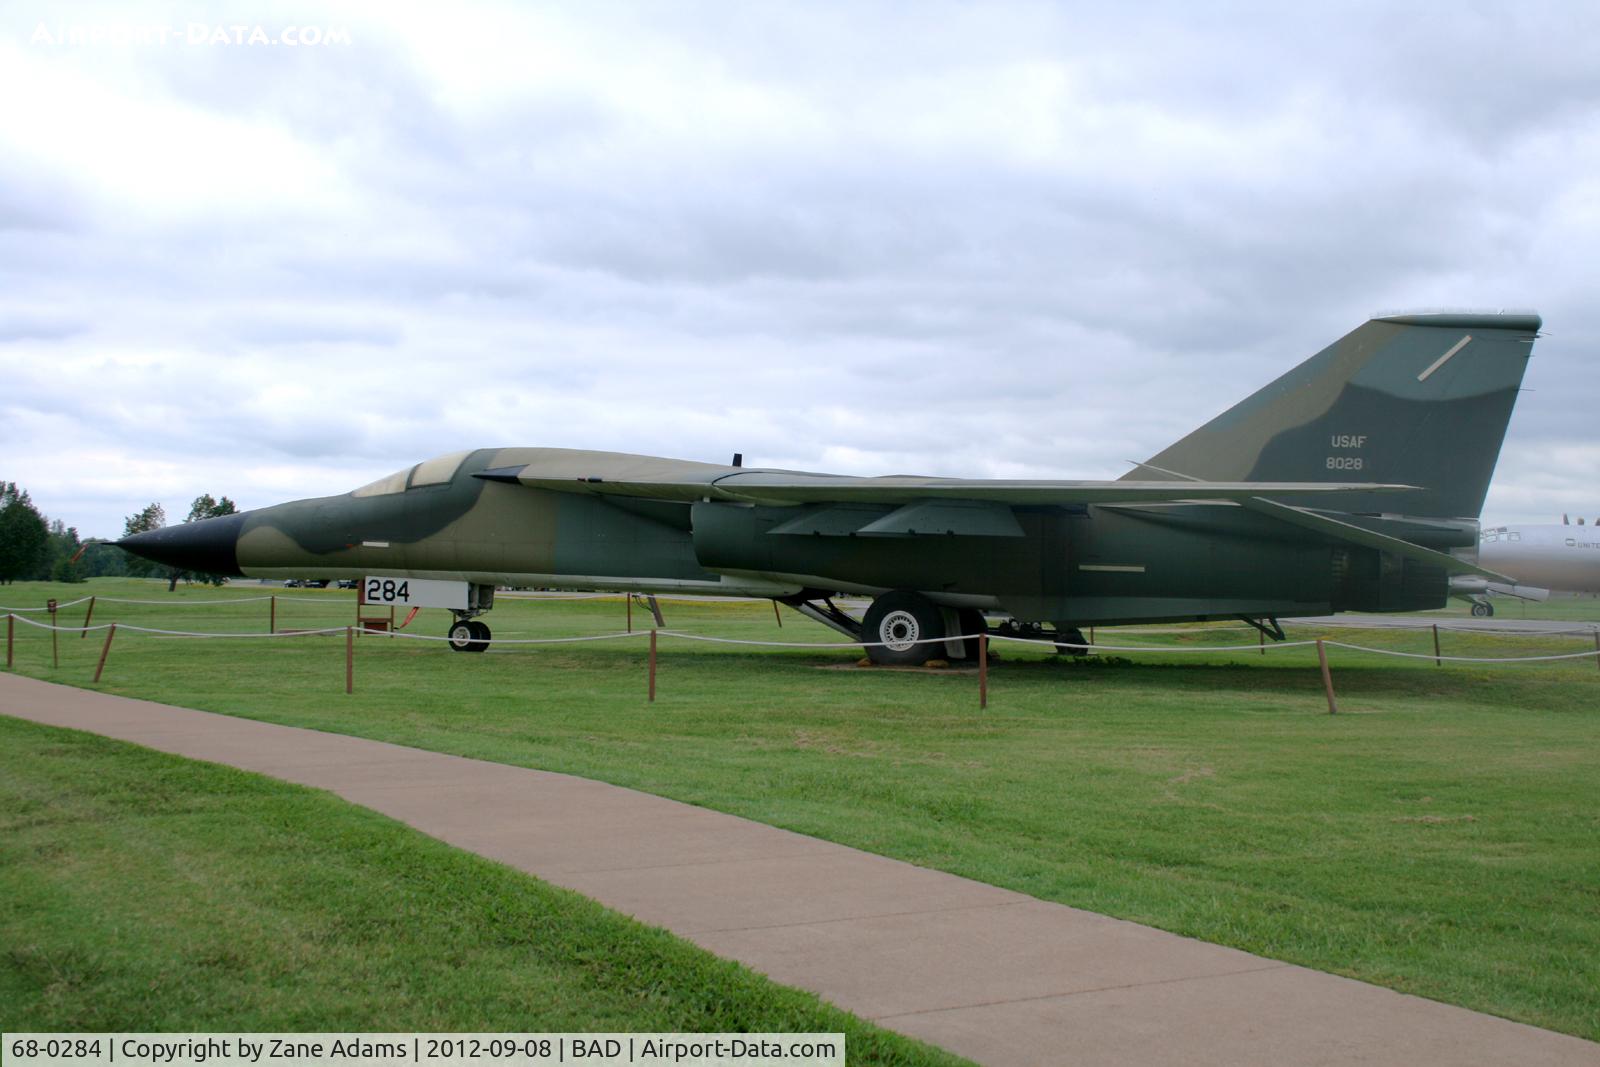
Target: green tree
{"x": 104, "y": 560}
{"x": 24, "y": 538}
{"x": 206, "y": 508}
{"x": 62, "y": 561}
{"x": 153, "y": 517}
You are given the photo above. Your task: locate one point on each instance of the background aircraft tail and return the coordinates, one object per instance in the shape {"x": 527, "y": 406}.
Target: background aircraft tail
{"x": 1412, "y": 399}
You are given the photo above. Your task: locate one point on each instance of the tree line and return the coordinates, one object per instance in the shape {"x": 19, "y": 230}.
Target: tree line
{"x": 34, "y": 548}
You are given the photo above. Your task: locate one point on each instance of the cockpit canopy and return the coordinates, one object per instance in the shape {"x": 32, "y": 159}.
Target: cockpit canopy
{"x": 436, "y": 471}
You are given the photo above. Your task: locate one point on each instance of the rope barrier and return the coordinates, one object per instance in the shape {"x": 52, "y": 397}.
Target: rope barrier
{"x": 708, "y": 639}
{"x": 183, "y": 603}
{"x": 1462, "y": 659}
{"x": 191, "y": 603}
{"x": 1147, "y": 648}
{"x": 62, "y": 629}
{"x": 59, "y": 607}
{"x": 525, "y": 640}
{"x": 129, "y": 628}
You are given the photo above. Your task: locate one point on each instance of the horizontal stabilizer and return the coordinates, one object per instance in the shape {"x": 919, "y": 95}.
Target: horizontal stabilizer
{"x": 1345, "y": 531}
{"x": 1475, "y": 586}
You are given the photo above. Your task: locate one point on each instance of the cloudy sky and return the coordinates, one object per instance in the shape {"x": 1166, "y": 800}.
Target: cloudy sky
{"x": 997, "y": 239}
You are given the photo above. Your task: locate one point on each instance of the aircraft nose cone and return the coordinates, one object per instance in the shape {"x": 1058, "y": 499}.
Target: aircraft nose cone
{"x": 209, "y": 546}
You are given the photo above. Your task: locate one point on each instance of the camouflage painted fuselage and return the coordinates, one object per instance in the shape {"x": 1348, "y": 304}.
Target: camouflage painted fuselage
{"x": 1080, "y": 564}
{"x": 1344, "y": 485}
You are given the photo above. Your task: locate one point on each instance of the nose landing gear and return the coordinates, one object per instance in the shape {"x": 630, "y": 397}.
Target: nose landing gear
{"x": 469, "y": 635}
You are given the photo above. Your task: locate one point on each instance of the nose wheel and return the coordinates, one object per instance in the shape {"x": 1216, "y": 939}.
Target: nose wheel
{"x": 469, "y": 635}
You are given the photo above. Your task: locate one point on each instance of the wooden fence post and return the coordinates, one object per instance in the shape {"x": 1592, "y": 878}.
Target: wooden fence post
{"x": 1597, "y": 648}
{"x": 1327, "y": 678}
{"x": 104, "y": 652}
{"x": 272, "y": 614}
{"x": 652, "y": 665}
{"x": 983, "y": 671}
{"x": 349, "y": 659}
{"x": 11, "y": 622}
{"x": 86, "y": 617}
{"x": 629, "y": 598}
{"x": 776, "y": 614}
{"x": 1437, "y": 662}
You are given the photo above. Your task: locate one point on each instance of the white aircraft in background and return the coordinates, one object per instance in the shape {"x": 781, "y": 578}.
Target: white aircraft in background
{"x": 1542, "y": 559}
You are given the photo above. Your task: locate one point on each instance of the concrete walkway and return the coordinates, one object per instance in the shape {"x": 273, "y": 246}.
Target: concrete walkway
{"x": 988, "y": 973}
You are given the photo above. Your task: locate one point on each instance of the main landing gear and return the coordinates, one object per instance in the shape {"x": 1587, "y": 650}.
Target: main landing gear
{"x": 906, "y": 629}
{"x": 1482, "y": 609}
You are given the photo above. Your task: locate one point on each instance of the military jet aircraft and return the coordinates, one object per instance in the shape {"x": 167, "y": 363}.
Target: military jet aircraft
{"x": 1351, "y": 483}
{"x": 1543, "y": 558}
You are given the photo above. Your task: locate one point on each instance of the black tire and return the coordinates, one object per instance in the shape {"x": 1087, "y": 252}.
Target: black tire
{"x": 1070, "y": 641}
{"x": 1482, "y": 611}
{"x": 908, "y": 620}
{"x": 463, "y": 634}
{"x": 972, "y": 623}
{"x": 481, "y": 636}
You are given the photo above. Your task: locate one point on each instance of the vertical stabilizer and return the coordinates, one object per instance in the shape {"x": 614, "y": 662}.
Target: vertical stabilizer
{"x": 1410, "y": 399}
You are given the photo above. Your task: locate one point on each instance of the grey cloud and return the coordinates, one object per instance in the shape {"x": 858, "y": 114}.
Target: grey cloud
{"x": 880, "y": 271}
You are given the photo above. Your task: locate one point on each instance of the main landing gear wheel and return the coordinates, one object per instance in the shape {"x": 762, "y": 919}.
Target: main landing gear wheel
{"x": 469, "y": 635}
{"x": 898, "y": 627}
{"x": 1482, "y": 611}
{"x": 1070, "y": 641}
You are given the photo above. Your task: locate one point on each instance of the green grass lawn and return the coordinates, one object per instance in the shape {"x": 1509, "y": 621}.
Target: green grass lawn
{"x": 1440, "y": 836}
{"x": 140, "y": 891}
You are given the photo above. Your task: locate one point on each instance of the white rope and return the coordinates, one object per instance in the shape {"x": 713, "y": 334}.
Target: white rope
{"x": 280, "y": 633}
{"x": 130, "y": 628}
{"x": 188, "y": 603}
{"x": 59, "y": 607}
{"x": 518, "y": 640}
{"x": 1147, "y": 648}
{"x": 818, "y": 645}
{"x": 178, "y": 603}
{"x": 1495, "y": 631}
{"x": 62, "y": 629}
{"x": 800, "y": 644}
{"x": 1463, "y": 659}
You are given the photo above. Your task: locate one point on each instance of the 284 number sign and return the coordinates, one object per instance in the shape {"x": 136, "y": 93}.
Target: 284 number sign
{"x": 387, "y": 591}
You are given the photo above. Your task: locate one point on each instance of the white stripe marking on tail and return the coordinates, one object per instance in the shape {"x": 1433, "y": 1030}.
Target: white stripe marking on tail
{"x": 1436, "y": 364}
